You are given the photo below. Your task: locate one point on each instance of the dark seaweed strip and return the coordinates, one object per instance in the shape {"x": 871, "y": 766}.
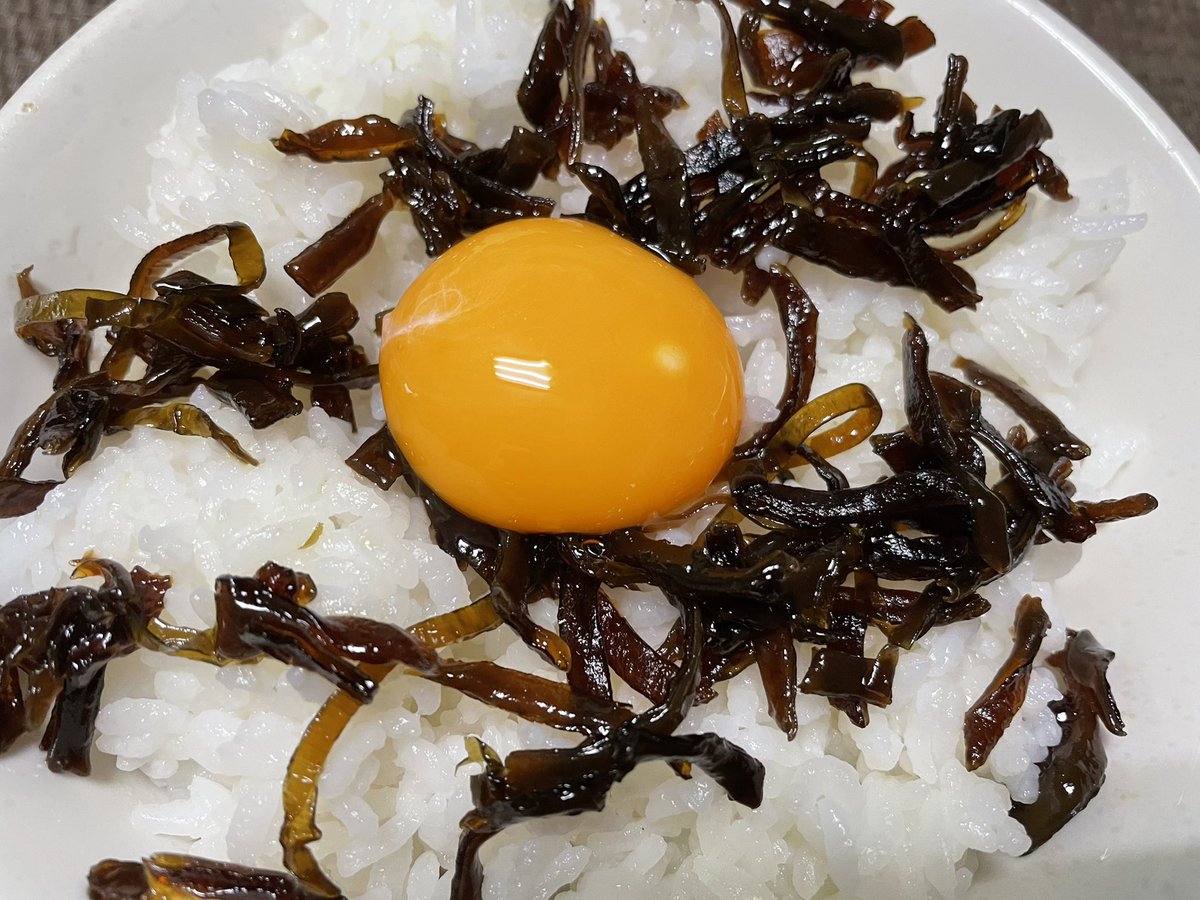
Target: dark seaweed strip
{"x": 347, "y": 140}
{"x": 539, "y": 95}
{"x": 1085, "y": 662}
{"x": 866, "y": 9}
{"x": 953, "y": 117}
{"x": 916, "y": 35}
{"x": 185, "y": 419}
{"x": 642, "y": 667}
{"x": 19, "y": 496}
{"x": 905, "y": 495}
{"x": 906, "y": 616}
{"x": 930, "y": 427}
{"x": 576, "y": 72}
{"x": 1060, "y": 516}
{"x": 733, "y": 89}
{"x": 529, "y": 696}
{"x": 336, "y": 401}
{"x": 112, "y": 879}
{"x": 458, "y": 625}
{"x": 518, "y": 162}
{"x": 900, "y": 557}
{"x": 63, "y": 337}
{"x": 777, "y": 58}
{"x": 1074, "y": 771}
{"x": 834, "y": 478}
{"x": 323, "y": 262}
{"x": 579, "y": 626}
{"x": 775, "y": 651}
{"x": 606, "y": 205}
{"x": 193, "y": 876}
{"x": 1101, "y": 511}
{"x": 514, "y": 585}
{"x": 798, "y": 315}
{"x": 831, "y": 673}
{"x": 1048, "y": 426}
{"x": 666, "y": 184}
{"x": 1000, "y": 701}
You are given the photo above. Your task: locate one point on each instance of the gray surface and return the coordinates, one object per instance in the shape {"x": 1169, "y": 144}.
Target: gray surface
{"x": 1157, "y": 41}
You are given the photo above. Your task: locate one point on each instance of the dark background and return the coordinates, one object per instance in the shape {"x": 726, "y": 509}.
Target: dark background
{"x": 1157, "y": 41}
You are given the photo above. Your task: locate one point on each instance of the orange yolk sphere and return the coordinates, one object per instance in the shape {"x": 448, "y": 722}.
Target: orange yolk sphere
{"x": 547, "y": 375}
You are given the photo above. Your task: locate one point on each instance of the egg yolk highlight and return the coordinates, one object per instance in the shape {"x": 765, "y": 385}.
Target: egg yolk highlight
{"x": 547, "y": 375}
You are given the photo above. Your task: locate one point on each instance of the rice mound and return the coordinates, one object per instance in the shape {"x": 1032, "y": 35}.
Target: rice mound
{"x": 884, "y": 811}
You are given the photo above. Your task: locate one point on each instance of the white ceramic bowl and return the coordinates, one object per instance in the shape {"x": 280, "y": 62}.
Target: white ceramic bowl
{"x": 71, "y": 155}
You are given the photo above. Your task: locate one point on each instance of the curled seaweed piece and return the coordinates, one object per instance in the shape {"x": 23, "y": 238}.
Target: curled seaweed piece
{"x": 244, "y": 252}
{"x": 807, "y": 426}
{"x": 989, "y": 716}
{"x": 185, "y": 419}
{"x": 1074, "y": 771}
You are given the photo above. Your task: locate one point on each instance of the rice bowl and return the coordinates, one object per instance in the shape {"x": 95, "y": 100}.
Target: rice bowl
{"x": 235, "y": 781}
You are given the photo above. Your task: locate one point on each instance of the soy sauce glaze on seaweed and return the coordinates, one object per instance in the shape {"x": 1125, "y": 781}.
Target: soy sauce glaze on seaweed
{"x": 782, "y": 563}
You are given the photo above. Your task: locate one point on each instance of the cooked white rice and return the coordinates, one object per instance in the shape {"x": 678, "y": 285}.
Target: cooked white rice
{"x": 885, "y": 811}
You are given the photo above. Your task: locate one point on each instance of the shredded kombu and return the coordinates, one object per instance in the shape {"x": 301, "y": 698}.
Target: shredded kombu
{"x": 781, "y": 563}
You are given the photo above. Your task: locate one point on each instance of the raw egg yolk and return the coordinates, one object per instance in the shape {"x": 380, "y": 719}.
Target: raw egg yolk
{"x": 547, "y": 375}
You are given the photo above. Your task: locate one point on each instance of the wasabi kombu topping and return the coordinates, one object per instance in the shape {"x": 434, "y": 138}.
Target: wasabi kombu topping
{"x": 781, "y": 564}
